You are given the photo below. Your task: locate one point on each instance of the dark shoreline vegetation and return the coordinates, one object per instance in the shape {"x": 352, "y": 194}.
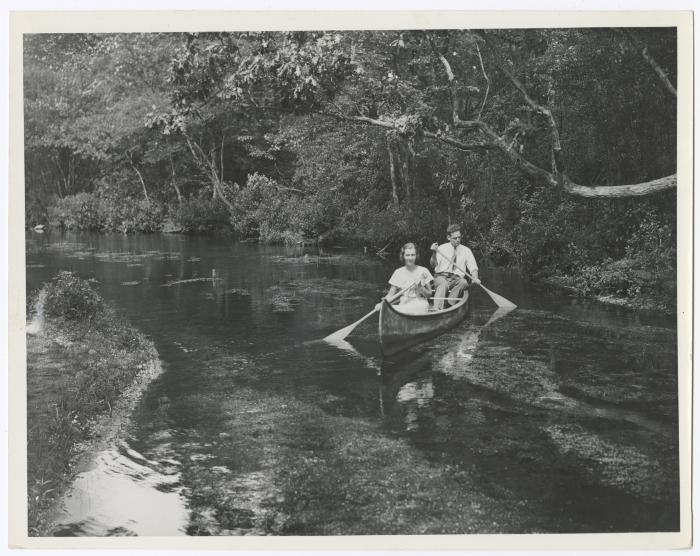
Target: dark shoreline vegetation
{"x": 81, "y": 356}
{"x": 371, "y": 139}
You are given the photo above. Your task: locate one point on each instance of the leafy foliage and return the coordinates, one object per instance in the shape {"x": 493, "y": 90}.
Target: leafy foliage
{"x": 263, "y": 210}
{"x": 71, "y": 297}
{"x": 201, "y": 215}
{"x": 103, "y": 212}
{"x": 358, "y": 137}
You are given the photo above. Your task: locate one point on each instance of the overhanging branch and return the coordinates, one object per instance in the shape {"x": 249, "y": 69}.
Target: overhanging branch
{"x": 557, "y": 162}
{"x": 644, "y": 51}
{"x": 438, "y": 136}
{"x": 618, "y": 191}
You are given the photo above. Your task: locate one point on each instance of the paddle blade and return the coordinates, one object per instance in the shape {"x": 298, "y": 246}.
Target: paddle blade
{"x": 498, "y": 299}
{"x": 345, "y": 332}
{"x": 497, "y": 314}
{"x": 341, "y": 334}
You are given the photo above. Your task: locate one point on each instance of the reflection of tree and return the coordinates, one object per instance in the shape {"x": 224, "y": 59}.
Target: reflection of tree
{"x": 455, "y": 361}
{"x": 416, "y": 398}
{"x": 219, "y": 286}
{"x": 395, "y": 374}
{"x": 407, "y": 383}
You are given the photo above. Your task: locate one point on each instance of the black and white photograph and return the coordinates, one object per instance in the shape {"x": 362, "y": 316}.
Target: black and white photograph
{"x": 328, "y": 278}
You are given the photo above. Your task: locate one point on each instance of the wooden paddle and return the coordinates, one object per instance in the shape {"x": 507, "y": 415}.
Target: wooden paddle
{"x": 344, "y": 332}
{"x": 497, "y": 299}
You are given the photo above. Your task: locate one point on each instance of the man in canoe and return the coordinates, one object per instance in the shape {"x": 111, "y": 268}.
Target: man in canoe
{"x": 450, "y": 261}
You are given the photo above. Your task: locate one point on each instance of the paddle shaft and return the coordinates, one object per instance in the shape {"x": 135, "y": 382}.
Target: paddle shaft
{"x": 343, "y": 332}
{"x": 454, "y": 265}
{"x": 497, "y": 299}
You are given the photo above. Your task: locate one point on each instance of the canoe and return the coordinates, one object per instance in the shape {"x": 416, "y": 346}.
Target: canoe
{"x": 398, "y": 331}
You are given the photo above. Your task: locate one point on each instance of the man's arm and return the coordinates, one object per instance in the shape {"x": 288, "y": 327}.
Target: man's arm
{"x": 433, "y": 257}
{"x": 472, "y": 266}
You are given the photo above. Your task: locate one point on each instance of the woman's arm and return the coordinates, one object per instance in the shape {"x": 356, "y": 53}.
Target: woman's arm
{"x": 393, "y": 290}
{"x": 423, "y": 290}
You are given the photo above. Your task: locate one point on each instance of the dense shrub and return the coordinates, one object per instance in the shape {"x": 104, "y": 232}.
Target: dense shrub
{"x": 81, "y": 314}
{"x": 71, "y": 297}
{"x": 267, "y": 211}
{"x": 129, "y": 215}
{"x": 105, "y": 211}
{"x": 202, "y": 215}
{"x": 76, "y": 212}
{"x": 36, "y": 207}
{"x": 645, "y": 274}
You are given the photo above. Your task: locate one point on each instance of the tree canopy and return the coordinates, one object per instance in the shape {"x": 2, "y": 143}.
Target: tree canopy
{"x": 555, "y": 148}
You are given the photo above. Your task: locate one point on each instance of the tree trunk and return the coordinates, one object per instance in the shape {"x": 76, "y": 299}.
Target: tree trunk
{"x": 412, "y": 162}
{"x": 71, "y": 172}
{"x": 62, "y": 176}
{"x": 174, "y": 181}
{"x": 405, "y": 159}
{"x": 209, "y": 168}
{"x": 392, "y": 172}
{"x": 143, "y": 184}
{"x": 221, "y": 157}
{"x": 215, "y": 176}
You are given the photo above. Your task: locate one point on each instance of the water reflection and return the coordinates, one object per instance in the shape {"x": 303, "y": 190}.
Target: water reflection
{"x": 407, "y": 378}
{"x": 123, "y": 493}
{"x": 557, "y": 417}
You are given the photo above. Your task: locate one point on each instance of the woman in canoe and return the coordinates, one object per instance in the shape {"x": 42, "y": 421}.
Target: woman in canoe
{"x": 414, "y": 301}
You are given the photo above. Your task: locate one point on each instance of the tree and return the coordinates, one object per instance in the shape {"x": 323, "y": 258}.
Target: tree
{"x": 440, "y": 87}
{"x": 86, "y": 98}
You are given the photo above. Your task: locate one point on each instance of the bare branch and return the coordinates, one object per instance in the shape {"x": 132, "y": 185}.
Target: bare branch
{"x": 286, "y": 188}
{"x": 557, "y": 165}
{"x": 450, "y": 79}
{"x": 143, "y": 184}
{"x": 643, "y": 50}
{"x": 461, "y": 145}
{"x": 392, "y": 171}
{"x": 494, "y": 141}
{"x": 452, "y": 141}
{"x": 209, "y": 168}
{"x": 488, "y": 82}
{"x": 617, "y": 191}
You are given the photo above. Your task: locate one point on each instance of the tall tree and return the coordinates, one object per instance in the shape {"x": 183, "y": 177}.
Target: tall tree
{"x": 440, "y": 86}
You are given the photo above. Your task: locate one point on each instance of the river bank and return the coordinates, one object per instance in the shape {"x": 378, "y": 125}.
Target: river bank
{"x": 568, "y": 285}
{"x": 86, "y": 370}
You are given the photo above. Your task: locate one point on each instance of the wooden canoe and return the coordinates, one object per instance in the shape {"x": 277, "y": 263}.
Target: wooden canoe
{"x": 398, "y": 331}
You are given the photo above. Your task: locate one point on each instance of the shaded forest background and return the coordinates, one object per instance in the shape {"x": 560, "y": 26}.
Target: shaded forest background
{"x": 554, "y": 148}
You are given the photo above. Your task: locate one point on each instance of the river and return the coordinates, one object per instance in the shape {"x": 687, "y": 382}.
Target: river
{"x": 558, "y": 417}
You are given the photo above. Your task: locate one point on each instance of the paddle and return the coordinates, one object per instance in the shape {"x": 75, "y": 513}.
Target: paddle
{"x": 344, "y": 332}
{"x": 497, "y": 299}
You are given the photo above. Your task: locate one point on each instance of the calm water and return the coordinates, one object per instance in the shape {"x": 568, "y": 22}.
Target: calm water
{"x": 557, "y": 417}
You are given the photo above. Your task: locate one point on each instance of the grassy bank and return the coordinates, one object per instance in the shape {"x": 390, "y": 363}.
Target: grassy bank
{"x": 81, "y": 358}
{"x": 636, "y": 290}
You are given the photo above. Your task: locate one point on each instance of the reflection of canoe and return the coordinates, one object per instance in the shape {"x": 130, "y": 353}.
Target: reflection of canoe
{"x": 398, "y": 331}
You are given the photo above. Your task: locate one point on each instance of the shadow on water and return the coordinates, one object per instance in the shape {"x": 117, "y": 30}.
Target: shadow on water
{"x": 554, "y": 417}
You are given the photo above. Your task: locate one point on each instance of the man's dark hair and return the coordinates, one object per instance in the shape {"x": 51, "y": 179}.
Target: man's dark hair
{"x": 452, "y": 228}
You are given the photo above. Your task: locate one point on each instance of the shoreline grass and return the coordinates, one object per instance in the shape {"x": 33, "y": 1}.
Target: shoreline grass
{"x": 81, "y": 356}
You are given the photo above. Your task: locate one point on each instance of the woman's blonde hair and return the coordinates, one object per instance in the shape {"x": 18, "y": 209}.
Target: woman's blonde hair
{"x": 408, "y": 246}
